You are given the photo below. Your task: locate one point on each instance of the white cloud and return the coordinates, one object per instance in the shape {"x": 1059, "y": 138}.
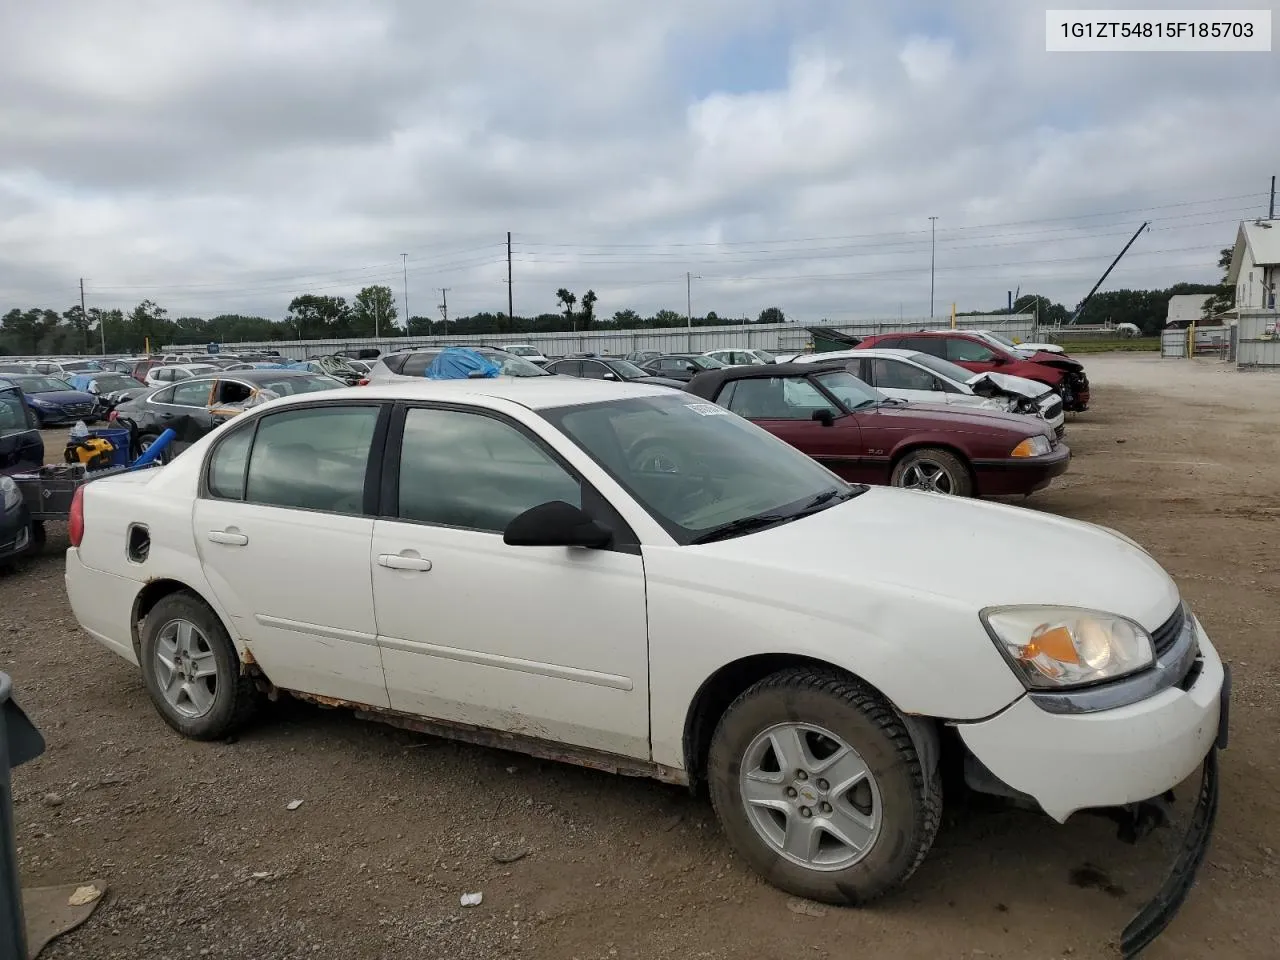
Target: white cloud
{"x": 205, "y": 153}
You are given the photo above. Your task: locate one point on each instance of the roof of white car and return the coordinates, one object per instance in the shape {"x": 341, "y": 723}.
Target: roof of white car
{"x": 535, "y": 393}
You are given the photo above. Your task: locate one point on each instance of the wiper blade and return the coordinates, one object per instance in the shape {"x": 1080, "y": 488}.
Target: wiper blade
{"x": 831, "y": 498}
{"x": 742, "y": 525}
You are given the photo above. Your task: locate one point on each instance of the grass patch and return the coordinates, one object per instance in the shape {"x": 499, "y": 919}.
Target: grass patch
{"x": 1133, "y": 345}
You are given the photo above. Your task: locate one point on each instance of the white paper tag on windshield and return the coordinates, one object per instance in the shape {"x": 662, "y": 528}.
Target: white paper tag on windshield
{"x": 707, "y": 409}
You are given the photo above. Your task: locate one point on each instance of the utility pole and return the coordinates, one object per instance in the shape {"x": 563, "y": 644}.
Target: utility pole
{"x": 933, "y": 252}
{"x": 1271, "y": 212}
{"x": 84, "y": 317}
{"x": 404, "y": 259}
{"x": 511, "y": 313}
{"x": 377, "y": 313}
{"x": 444, "y": 305}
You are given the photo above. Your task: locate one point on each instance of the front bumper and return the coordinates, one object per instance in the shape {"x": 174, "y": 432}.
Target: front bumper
{"x": 15, "y": 532}
{"x": 1109, "y": 758}
{"x": 1009, "y": 476}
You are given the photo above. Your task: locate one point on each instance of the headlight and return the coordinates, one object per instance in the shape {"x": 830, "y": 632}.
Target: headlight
{"x": 1036, "y": 446}
{"x": 10, "y": 494}
{"x": 1055, "y": 647}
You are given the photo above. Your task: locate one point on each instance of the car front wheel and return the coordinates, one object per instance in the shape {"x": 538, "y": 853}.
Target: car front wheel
{"x": 818, "y": 785}
{"x": 933, "y": 471}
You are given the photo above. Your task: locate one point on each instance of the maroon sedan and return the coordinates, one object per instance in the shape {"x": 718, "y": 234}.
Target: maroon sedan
{"x": 864, "y": 436}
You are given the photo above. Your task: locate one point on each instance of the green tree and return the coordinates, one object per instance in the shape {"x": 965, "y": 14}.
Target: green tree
{"x": 374, "y": 309}
{"x": 668, "y": 318}
{"x": 588, "y": 311}
{"x": 1224, "y": 296}
{"x": 567, "y": 299}
{"x": 79, "y": 324}
{"x": 627, "y": 318}
{"x": 148, "y": 325}
{"x": 317, "y": 318}
{"x": 771, "y": 315}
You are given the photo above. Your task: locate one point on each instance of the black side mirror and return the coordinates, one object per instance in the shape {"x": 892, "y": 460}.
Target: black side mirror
{"x": 824, "y": 417}
{"x": 555, "y": 524}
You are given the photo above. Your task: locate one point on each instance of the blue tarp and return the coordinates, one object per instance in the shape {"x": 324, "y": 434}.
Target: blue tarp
{"x": 459, "y": 363}
{"x": 81, "y": 381}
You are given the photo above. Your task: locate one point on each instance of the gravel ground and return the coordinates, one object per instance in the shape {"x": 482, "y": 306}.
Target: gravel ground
{"x": 202, "y": 858}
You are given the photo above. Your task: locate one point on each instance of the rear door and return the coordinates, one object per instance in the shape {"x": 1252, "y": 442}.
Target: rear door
{"x": 283, "y": 526}
{"x": 785, "y": 406}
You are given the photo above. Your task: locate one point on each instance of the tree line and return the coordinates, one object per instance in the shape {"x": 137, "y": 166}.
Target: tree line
{"x": 373, "y": 311}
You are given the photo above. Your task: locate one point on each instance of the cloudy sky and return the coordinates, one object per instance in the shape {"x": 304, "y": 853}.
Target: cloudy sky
{"x": 225, "y": 156}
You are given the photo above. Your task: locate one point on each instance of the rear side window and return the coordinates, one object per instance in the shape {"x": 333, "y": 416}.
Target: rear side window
{"x": 395, "y": 361}
{"x": 415, "y": 365}
{"x": 568, "y": 368}
{"x": 313, "y": 459}
{"x": 226, "y": 468}
{"x": 934, "y": 346}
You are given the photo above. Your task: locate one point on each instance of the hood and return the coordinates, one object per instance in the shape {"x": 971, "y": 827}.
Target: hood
{"x": 63, "y": 398}
{"x": 1058, "y": 360}
{"x": 963, "y": 419}
{"x": 1011, "y": 384}
{"x": 972, "y": 552}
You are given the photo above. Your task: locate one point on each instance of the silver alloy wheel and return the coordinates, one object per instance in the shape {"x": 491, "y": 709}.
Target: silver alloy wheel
{"x": 186, "y": 670}
{"x": 810, "y": 796}
{"x": 929, "y": 475}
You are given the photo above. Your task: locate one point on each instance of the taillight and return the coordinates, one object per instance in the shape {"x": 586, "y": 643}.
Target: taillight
{"x": 362, "y": 382}
{"x": 112, "y": 417}
{"x": 75, "y": 520}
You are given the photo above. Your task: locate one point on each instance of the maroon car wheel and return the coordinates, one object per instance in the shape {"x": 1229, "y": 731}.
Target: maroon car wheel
{"x": 933, "y": 471}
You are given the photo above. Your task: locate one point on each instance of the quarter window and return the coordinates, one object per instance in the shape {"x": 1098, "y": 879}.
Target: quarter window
{"x": 469, "y": 470}
{"x": 226, "y": 467}
{"x": 313, "y": 459}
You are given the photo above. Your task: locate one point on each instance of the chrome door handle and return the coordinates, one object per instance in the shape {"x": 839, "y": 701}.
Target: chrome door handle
{"x": 229, "y": 537}
{"x": 395, "y": 561}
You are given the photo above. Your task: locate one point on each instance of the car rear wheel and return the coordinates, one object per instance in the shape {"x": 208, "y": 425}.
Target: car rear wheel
{"x": 818, "y": 785}
{"x": 191, "y": 670}
{"x": 933, "y": 470}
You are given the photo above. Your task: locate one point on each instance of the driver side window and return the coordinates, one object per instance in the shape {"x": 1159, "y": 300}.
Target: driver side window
{"x": 896, "y": 375}
{"x": 776, "y": 398}
{"x": 968, "y": 351}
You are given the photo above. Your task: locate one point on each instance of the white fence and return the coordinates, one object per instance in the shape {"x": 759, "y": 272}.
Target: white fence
{"x": 1259, "y": 340}
{"x": 1210, "y": 341}
{"x": 776, "y": 337}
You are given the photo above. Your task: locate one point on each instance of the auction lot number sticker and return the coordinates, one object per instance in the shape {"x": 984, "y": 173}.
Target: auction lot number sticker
{"x": 1157, "y": 31}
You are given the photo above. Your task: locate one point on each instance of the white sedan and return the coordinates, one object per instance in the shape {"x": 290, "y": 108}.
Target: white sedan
{"x": 807, "y": 648}
{"x": 923, "y": 378}
{"x": 173, "y": 372}
{"x": 740, "y": 356}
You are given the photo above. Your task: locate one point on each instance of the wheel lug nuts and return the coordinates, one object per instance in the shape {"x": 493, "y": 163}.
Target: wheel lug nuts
{"x": 801, "y": 775}
{"x": 791, "y": 791}
{"x": 806, "y": 812}
{"x": 825, "y": 808}
{"x": 823, "y": 785}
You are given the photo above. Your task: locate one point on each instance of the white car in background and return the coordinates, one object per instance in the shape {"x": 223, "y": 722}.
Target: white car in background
{"x": 741, "y": 356}
{"x": 345, "y": 546}
{"x": 526, "y": 350}
{"x": 922, "y": 378}
{"x": 173, "y": 372}
{"x": 1025, "y": 349}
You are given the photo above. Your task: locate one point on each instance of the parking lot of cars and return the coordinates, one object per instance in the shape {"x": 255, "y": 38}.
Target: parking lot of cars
{"x": 394, "y": 827}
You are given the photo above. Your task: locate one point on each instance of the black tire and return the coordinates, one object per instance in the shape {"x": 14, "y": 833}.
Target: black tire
{"x": 953, "y": 475}
{"x": 910, "y": 797}
{"x": 38, "y": 537}
{"x": 146, "y": 440}
{"x": 235, "y": 696}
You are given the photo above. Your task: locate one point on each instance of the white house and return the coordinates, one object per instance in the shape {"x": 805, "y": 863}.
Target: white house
{"x": 1255, "y": 265}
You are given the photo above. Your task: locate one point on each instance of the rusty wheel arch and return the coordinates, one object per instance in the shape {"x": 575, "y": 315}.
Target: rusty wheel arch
{"x": 156, "y": 590}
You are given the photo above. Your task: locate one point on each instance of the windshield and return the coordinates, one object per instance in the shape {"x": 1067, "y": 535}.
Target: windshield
{"x": 39, "y": 384}
{"x": 115, "y": 381}
{"x": 946, "y": 368}
{"x": 13, "y": 413}
{"x": 999, "y": 339}
{"x": 80, "y": 366}
{"x": 625, "y": 369}
{"x": 523, "y": 351}
{"x": 693, "y": 465}
{"x": 512, "y": 366}
{"x": 15, "y": 368}
{"x": 849, "y": 390}
{"x": 708, "y": 363}
{"x": 289, "y": 386}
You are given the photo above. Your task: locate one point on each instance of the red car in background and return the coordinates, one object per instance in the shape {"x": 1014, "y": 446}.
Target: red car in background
{"x": 863, "y": 436}
{"x": 1060, "y": 373}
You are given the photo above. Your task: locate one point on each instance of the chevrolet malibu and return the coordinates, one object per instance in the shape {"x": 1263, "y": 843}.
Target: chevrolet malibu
{"x": 805, "y": 648}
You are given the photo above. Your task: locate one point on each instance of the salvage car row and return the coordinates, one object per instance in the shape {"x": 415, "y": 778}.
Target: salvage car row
{"x": 801, "y": 645}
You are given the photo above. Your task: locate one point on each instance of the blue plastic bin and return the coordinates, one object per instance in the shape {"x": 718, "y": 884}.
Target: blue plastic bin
{"x": 119, "y": 439}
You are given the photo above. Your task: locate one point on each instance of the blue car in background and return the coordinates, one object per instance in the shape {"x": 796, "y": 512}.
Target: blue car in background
{"x": 54, "y": 401}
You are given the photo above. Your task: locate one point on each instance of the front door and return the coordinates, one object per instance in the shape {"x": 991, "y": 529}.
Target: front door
{"x": 547, "y": 642}
{"x": 284, "y": 540}
{"x": 785, "y": 406}
{"x": 184, "y": 408}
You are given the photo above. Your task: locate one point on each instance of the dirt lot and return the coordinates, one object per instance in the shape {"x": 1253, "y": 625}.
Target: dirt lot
{"x": 202, "y": 858}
